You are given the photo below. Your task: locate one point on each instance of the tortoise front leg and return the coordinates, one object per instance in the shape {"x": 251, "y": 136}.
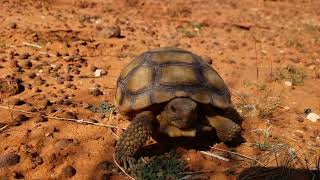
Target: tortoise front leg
{"x": 225, "y": 127}
{"x": 133, "y": 138}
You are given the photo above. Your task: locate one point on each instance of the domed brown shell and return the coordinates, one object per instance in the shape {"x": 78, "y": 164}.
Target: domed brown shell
{"x": 159, "y": 75}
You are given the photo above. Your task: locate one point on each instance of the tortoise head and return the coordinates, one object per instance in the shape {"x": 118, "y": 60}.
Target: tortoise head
{"x": 180, "y": 112}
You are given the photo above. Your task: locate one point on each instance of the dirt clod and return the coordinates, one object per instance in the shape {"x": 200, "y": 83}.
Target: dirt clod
{"x": 96, "y": 92}
{"x": 70, "y": 115}
{"x": 18, "y": 175}
{"x": 40, "y": 119}
{"x": 112, "y": 31}
{"x": 69, "y": 171}
{"x": 13, "y": 25}
{"x": 21, "y": 118}
{"x": 9, "y": 159}
{"x": 9, "y": 86}
{"x": 19, "y": 102}
{"x": 32, "y": 75}
{"x": 25, "y": 55}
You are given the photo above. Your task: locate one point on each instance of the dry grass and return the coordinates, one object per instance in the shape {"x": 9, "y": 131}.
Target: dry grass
{"x": 262, "y": 106}
{"x": 291, "y": 73}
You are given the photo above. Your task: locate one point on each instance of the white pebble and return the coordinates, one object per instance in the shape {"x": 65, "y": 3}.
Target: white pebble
{"x": 288, "y": 83}
{"x": 313, "y": 117}
{"x": 286, "y": 107}
{"x": 98, "y": 72}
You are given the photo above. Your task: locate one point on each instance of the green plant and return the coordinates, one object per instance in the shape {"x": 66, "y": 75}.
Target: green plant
{"x": 163, "y": 167}
{"x": 290, "y": 73}
{"x": 264, "y": 139}
{"x": 104, "y": 107}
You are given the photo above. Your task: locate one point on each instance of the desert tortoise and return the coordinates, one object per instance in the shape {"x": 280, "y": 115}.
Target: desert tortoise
{"x": 169, "y": 88}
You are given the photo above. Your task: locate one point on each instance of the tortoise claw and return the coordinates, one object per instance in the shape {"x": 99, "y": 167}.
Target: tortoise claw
{"x": 126, "y": 162}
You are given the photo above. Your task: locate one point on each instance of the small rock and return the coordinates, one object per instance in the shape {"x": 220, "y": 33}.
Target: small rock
{"x": 70, "y": 115}
{"x": 49, "y": 134}
{"x": 45, "y": 103}
{"x": 60, "y": 80}
{"x": 27, "y": 65}
{"x": 21, "y": 118}
{"x": 32, "y": 75}
{"x": 40, "y": 119}
{"x": 9, "y": 159}
{"x": 18, "y": 175}
{"x": 300, "y": 118}
{"x": 76, "y": 71}
{"x": 39, "y": 81}
{"x": 14, "y": 64}
{"x": 69, "y": 171}
{"x": 13, "y": 25}
{"x": 67, "y": 102}
{"x": 93, "y": 68}
{"x": 96, "y": 92}
{"x": 69, "y": 77}
{"x": 52, "y": 109}
{"x": 25, "y": 55}
{"x": 286, "y": 107}
{"x": 98, "y": 72}
{"x": 19, "y": 102}
{"x": 288, "y": 83}
{"x": 112, "y": 31}
{"x": 313, "y": 117}
{"x": 69, "y": 85}
{"x": 307, "y": 111}
{"x": 36, "y": 159}
{"x": 86, "y": 105}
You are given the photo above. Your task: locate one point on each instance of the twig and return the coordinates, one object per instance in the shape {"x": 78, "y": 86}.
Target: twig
{"x": 63, "y": 119}
{"x": 215, "y": 156}
{"x": 185, "y": 177}
{"x": 32, "y": 45}
{"x": 194, "y": 175}
{"x": 4, "y": 127}
{"x": 47, "y": 53}
{"x": 122, "y": 169}
{"x": 196, "y": 172}
{"x": 238, "y": 154}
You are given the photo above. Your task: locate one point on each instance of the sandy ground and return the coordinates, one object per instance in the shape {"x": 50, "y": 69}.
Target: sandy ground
{"x": 266, "y": 51}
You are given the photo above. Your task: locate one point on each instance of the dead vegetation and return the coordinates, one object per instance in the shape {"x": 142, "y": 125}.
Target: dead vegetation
{"x": 262, "y": 106}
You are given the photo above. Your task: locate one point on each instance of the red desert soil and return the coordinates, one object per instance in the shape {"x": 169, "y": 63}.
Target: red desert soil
{"x": 267, "y": 51}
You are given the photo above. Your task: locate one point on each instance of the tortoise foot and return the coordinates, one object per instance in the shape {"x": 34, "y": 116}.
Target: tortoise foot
{"x": 133, "y": 138}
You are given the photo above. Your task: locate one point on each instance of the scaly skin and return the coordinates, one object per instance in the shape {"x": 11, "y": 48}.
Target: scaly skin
{"x": 225, "y": 127}
{"x": 133, "y": 138}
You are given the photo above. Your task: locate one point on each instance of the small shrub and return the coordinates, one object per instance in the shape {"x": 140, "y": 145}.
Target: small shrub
{"x": 163, "y": 167}
{"x": 292, "y": 74}
{"x": 104, "y": 107}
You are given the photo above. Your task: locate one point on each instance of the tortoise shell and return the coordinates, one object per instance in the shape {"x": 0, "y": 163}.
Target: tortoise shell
{"x": 162, "y": 74}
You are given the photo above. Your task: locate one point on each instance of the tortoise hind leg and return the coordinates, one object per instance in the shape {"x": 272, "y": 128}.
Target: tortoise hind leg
{"x": 133, "y": 138}
{"x": 226, "y": 129}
